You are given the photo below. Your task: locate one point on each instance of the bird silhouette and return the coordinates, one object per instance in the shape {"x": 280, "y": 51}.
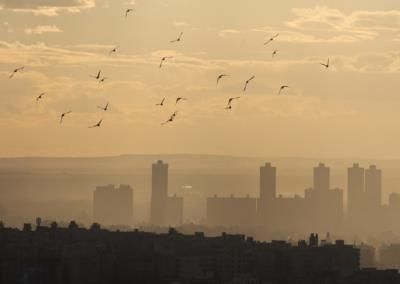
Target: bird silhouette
{"x": 38, "y": 98}
{"x": 63, "y": 115}
{"x": 282, "y": 88}
{"x": 178, "y": 39}
{"x": 105, "y": 108}
{"x": 171, "y": 118}
{"x": 221, "y": 77}
{"x": 162, "y": 102}
{"x": 180, "y": 99}
{"x": 326, "y": 65}
{"x": 97, "y": 77}
{"x": 247, "y": 83}
{"x": 229, "y": 105}
{"x": 114, "y": 50}
{"x": 127, "y": 12}
{"x": 163, "y": 60}
{"x": 271, "y": 39}
{"x": 275, "y": 52}
{"x": 15, "y": 71}
{"x": 98, "y": 124}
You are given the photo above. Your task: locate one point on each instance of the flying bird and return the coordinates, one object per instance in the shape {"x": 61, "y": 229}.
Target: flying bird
{"x": 97, "y": 77}
{"x": 114, "y": 50}
{"x": 127, "y": 12}
{"x": 177, "y": 39}
{"x": 171, "y": 118}
{"x": 326, "y": 65}
{"x": 229, "y": 105}
{"x": 275, "y": 52}
{"x": 180, "y": 99}
{"x": 162, "y": 102}
{"x": 163, "y": 60}
{"x": 271, "y": 39}
{"x": 282, "y": 88}
{"x": 38, "y": 98}
{"x": 105, "y": 108}
{"x": 63, "y": 115}
{"x": 15, "y": 71}
{"x": 98, "y": 124}
{"x": 247, "y": 83}
{"x": 221, "y": 77}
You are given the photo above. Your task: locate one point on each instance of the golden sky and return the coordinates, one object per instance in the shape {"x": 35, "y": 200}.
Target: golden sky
{"x": 349, "y": 110}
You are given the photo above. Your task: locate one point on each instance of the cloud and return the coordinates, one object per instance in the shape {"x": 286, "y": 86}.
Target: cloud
{"x": 42, "y": 29}
{"x": 227, "y": 33}
{"x": 322, "y": 24}
{"x": 290, "y": 36}
{"x": 381, "y": 62}
{"x": 46, "y": 7}
{"x": 359, "y": 24}
{"x": 93, "y": 55}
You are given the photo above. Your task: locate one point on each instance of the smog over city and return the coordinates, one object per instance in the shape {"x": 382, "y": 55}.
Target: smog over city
{"x": 199, "y": 141}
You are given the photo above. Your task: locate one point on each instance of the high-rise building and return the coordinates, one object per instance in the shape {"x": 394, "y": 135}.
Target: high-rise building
{"x": 355, "y": 193}
{"x": 266, "y": 203}
{"x": 164, "y": 210}
{"x": 267, "y": 183}
{"x": 356, "y": 186}
{"x": 113, "y": 206}
{"x": 321, "y": 177}
{"x": 324, "y": 206}
{"x": 373, "y": 187}
{"x": 159, "y": 193}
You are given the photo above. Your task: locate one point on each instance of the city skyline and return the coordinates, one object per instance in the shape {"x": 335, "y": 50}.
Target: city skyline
{"x": 199, "y": 141}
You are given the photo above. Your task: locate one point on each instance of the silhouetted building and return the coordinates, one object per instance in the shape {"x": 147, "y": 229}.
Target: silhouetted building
{"x": 288, "y": 214}
{"x": 324, "y": 206}
{"x": 164, "y": 210}
{"x": 373, "y": 195}
{"x": 74, "y": 255}
{"x": 355, "y": 194}
{"x": 113, "y": 206}
{"x": 174, "y": 211}
{"x": 365, "y": 209}
{"x": 231, "y": 211}
{"x": 392, "y": 211}
{"x": 321, "y": 177}
{"x": 367, "y": 256}
{"x": 390, "y": 256}
{"x": 159, "y": 193}
{"x": 266, "y": 204}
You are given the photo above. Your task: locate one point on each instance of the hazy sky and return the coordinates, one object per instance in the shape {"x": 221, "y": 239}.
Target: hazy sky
{"x": 351, "y": 110}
